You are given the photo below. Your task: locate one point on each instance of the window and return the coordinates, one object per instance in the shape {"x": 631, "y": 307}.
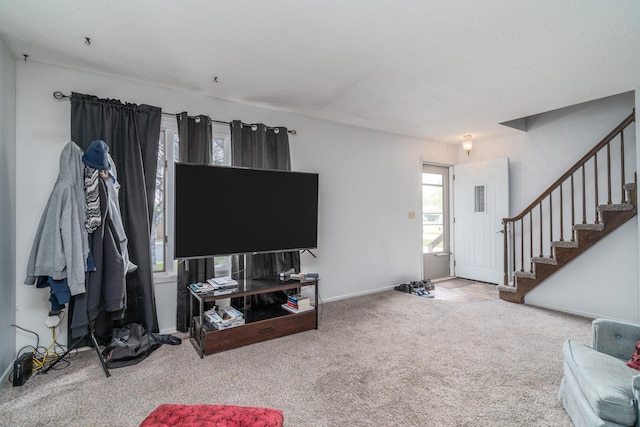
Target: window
{"x": 433, "y": 218}
{"x": 480, "y": 199}
{"x": 162, "y": 225}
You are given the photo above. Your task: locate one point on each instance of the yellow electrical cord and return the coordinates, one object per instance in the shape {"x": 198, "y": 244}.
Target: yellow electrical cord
{"x": 42, "y": 359}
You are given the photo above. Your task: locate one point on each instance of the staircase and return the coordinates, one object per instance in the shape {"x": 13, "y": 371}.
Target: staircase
{"x": 549, "y": 222}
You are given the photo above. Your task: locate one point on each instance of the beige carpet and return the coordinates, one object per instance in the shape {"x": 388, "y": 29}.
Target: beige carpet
{"x": 387, "y": 359}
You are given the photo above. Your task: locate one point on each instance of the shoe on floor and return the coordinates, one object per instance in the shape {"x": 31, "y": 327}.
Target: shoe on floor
{"x": 428, "y": 294}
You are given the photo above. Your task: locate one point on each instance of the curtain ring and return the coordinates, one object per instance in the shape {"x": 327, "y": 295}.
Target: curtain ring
{"x": 254, "y": 127}
{"x": 197, "y": 119}
{"x": 276, "y": 130}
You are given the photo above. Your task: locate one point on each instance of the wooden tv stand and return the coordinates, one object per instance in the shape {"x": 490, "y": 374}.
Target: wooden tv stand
{"x": 262, "y": 322}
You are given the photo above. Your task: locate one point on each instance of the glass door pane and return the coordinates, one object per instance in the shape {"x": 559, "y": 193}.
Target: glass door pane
{"x": 435, "y": 221}
{"x": 432, "y": 214}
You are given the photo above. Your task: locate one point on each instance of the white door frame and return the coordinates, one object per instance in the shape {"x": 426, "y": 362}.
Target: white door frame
{"x": 450, "y": 216}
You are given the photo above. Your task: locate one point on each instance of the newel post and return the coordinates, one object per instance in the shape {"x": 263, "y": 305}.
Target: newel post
{"x": 506, "y": 263}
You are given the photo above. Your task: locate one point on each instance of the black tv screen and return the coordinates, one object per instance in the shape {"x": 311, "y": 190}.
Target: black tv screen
{"x": 221, "y": 210}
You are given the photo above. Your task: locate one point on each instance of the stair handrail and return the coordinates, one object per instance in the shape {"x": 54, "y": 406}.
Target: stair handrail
{"x": 509, "y": 223}
{"x": 626, "y": 122}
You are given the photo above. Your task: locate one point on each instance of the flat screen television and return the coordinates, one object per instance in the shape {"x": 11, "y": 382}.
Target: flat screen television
{"x": 222, "y": 210}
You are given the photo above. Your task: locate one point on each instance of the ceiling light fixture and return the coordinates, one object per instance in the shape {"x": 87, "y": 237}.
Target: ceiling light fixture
{"x": 467, "y": 144}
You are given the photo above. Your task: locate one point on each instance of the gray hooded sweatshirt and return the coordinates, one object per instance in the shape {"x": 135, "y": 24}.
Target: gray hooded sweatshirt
{"x": 60, "y": 247}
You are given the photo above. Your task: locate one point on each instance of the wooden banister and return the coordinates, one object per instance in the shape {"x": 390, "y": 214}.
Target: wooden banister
{"x": 626, "y": 122}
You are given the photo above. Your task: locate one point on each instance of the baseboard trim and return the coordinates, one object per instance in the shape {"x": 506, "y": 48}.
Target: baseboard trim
{"x": 358, "y": 294}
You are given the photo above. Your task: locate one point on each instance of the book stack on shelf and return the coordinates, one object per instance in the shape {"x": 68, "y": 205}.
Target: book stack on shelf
{"x": 200, "y": 288}
{"x": 223, "y": 285}
{"x": 223, "y": 318}
{"x": 297, "y": 303}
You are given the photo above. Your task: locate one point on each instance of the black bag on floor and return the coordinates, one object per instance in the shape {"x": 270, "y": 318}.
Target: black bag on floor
{"x": 131, "y": 344}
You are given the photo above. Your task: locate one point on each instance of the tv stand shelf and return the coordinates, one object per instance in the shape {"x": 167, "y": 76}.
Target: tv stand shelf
{"x": 262, "y": 323}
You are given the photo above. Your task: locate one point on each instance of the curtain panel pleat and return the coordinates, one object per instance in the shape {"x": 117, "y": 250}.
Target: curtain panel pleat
{"x": 195, "y": 136}
{"x": 263, "y": 148}
{"x": 132, "y": 133}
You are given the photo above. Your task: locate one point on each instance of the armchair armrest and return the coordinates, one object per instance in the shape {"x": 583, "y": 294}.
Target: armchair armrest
{"x": 615, "y": 338}
{"x": 635, "y": 386}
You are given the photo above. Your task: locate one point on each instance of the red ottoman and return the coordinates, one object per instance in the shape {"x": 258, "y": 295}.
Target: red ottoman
{"x": 213, "y": 416}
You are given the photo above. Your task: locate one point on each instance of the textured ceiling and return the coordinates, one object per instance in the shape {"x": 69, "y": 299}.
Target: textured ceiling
{"x": 432, "y": 69}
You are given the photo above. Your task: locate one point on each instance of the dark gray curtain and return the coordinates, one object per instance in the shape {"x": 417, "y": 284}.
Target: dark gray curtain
{"x": 195, "y": 136}
{"x": 259, "y": 147}
{"x": 132, "y": 132}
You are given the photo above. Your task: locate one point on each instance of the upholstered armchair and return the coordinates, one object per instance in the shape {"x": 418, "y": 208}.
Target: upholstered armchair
{"x": 598, "y": 388}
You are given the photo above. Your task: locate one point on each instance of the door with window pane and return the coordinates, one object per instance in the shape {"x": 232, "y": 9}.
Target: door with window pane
{"x": 481, "y": 200}
{"x": 435, "y": 221}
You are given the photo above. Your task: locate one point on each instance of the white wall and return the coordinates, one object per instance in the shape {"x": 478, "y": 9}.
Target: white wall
{"x": 603, "y": 282}
{"x": 369, "y": 181}
{"x": 7, "y": 213}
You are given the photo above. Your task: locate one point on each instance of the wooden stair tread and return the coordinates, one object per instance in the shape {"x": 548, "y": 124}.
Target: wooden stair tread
{"x": 525, "y": 274}
{"x": 595, "y": 227}
{"x": 564, "y": 244}
{"x": 544, "y": 260}
{"x": 507, "y": 288}
{"x": 616, "y": 207}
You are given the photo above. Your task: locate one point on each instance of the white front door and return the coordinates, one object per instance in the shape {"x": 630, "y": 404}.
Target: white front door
{"x": 481, "y": 200}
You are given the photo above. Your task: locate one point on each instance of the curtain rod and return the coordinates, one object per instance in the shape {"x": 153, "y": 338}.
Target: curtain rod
{"x": 60, "y": 95}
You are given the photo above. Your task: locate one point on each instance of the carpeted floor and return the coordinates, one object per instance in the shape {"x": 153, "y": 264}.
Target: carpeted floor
{"x": 386, "y": 359}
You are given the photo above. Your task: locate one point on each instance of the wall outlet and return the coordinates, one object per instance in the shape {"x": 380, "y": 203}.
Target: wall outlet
{"x": 52, "y": 321}
{"x": 412, "y": 215}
